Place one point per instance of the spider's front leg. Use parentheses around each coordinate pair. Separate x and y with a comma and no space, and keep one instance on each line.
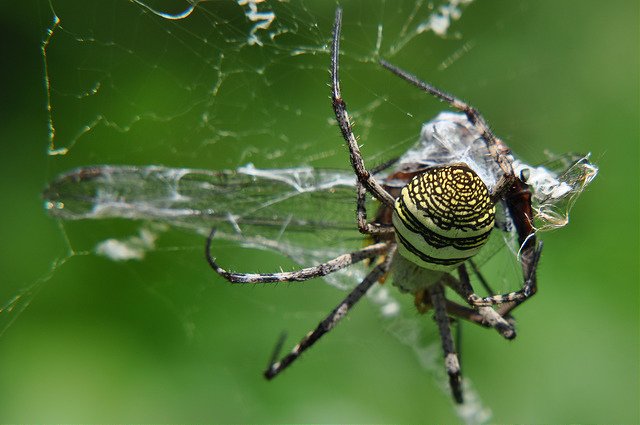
(361,210)
(497,149)
(361,214)
(340,110)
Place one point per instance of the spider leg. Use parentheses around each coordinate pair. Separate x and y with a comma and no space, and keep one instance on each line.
(323,269)
(519,206)
(457,328)
(361,210)
(529,257)
(454,309)
(451,362)
(528,289)
(361,215)
(507,316)
(467,313)
(489,316)
(340,109)
(332,319)
(497,148)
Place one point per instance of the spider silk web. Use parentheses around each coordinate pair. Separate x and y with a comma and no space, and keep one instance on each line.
(194,87)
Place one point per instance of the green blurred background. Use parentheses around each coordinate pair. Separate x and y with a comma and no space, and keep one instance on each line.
(164,340)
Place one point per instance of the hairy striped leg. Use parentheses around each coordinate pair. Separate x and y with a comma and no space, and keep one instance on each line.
(361,209)
(340,109)
(332,319)
(517,297)
(451,361)
(476,271)
(489,316)
(529,258)
(361,215)
(467,313)
(323,269)
(497,148)
(482,318)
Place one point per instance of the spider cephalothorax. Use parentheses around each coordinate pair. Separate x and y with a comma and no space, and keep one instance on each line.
(437,219)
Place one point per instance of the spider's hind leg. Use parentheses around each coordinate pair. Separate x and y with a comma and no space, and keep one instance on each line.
(485,285)
(529,288)
(451,361)
(489,316)
(329,322)
(331,266)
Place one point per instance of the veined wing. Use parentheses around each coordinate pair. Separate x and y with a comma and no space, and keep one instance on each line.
(268,202)
(304,213)
(555,185)
(272,208)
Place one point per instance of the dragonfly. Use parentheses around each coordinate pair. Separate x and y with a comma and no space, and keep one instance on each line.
(305,213)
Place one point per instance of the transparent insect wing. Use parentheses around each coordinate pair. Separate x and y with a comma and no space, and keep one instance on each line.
(450,139)
(283,209)
(556,185)
(191,196)
(279,209)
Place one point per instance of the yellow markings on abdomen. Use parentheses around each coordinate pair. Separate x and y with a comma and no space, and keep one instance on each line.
(443,217)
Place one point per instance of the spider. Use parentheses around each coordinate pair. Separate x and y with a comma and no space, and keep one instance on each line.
(424,234)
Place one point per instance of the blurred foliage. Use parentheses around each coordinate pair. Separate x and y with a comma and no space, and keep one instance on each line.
(164,340)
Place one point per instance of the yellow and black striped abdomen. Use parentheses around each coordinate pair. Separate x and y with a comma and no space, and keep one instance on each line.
(443,217)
